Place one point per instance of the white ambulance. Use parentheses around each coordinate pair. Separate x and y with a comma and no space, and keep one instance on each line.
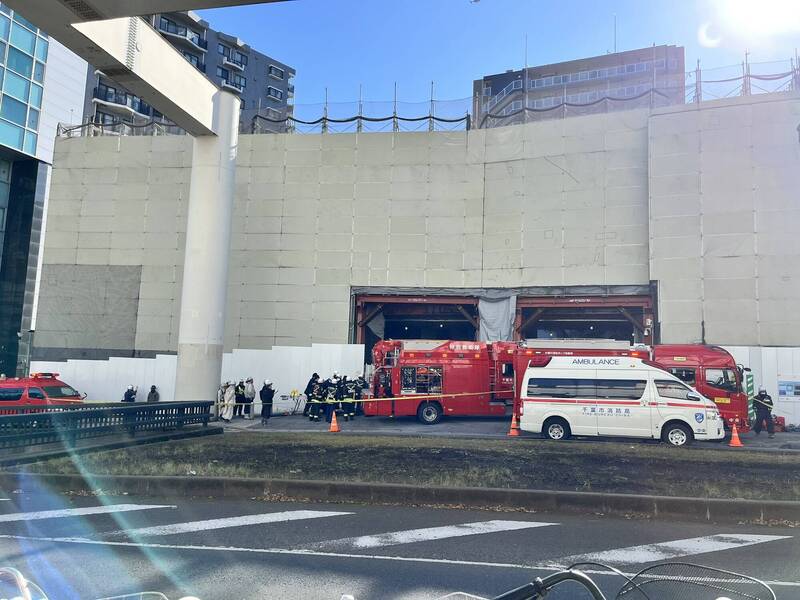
(618,396)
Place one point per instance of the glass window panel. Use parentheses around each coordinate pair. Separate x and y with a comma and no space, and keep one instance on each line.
(620,389)
(14,110)
(553,388)
(17,86)
(11,135)
(20,19)
(36,95)
(11,394)
(23,39)
(38,72)
(19,62)
(724,379)
(4,9)
(33,119)
(2,53)
(42,46)
(685,375)
(2,74)
(30,142)
(5,26)
(672,389)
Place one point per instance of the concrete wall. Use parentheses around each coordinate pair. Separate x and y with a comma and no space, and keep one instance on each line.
(724,220)
(553,203)
(702,200)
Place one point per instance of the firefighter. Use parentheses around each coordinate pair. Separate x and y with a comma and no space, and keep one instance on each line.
(361,385)
(316,399)
(331,396)
(349,396)
(266,394)
(249,397)
(238,392)
(130,394)
(763,406)
(309,392)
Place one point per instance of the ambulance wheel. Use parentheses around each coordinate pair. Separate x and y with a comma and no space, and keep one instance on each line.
(429,413)
(677,434)
(556,429)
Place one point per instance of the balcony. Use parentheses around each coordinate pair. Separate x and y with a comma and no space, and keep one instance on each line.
(124,103)
(183,34)
(229,61)
(231,85)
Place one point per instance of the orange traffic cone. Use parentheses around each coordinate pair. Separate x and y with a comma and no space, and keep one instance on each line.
(334,424)
(514,431)
(735,441)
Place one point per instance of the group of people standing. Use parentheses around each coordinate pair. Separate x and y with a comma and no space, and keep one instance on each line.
(335,394)
(236,400)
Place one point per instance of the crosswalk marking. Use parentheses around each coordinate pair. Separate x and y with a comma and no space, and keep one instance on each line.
(223,523)
(634,555)
(79,512)
(429,533)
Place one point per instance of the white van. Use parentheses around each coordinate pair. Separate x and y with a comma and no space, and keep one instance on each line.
(615,396)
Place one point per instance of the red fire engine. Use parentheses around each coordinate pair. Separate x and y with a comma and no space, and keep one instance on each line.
(435,378)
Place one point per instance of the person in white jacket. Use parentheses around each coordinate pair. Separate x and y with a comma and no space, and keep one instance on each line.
(249,397)
(228,403)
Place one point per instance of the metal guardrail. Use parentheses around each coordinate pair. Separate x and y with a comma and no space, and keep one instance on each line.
(60,423)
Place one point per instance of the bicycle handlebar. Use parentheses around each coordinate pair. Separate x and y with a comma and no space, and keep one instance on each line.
(539,587)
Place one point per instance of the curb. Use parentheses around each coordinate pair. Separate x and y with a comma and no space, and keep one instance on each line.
(692,509)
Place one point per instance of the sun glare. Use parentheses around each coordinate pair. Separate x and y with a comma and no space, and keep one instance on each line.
(750,18)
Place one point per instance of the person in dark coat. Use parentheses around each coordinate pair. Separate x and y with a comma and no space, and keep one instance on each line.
(153,395)
(266,394)
(309,392)
(129,395)
(763,405)
(238,410)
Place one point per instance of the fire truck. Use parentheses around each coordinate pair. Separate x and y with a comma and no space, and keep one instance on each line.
(431,379)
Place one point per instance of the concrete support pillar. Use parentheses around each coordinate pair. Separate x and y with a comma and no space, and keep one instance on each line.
(205,266)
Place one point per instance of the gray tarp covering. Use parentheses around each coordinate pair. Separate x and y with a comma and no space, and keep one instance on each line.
(377,325)
(497,318)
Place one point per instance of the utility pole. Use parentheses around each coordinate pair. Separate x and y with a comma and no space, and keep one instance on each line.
(432,111)
(698,84)
(325,114)
(360,123)
(395,123)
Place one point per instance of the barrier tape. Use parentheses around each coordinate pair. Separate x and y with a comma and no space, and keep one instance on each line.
(413,397)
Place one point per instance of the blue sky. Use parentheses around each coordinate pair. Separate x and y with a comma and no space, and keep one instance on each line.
(340,44)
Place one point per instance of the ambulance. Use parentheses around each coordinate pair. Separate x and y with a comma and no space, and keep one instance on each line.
(618,396)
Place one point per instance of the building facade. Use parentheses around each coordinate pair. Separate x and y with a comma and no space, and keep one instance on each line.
(621,78)
(265,85)
(41,82)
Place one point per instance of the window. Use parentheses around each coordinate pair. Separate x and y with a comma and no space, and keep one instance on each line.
(10,394)
(33,119)
(640,67)
(223,50)
(60,391)
(672,389)
(724,379)
(23,39)
(274,93)
(687,376)
(621,389)
(487,91)
(17,86)
(5,26)
(223,73)
(194,60)
(508,370)
(14,110)
(560,388)
(241,58)
(38,72)
(421,380)
(35,393)
(276,72)
(19,62)
(41,49)
(239,80)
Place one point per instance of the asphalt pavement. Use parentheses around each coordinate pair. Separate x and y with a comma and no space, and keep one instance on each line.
(93,547)
(467,427)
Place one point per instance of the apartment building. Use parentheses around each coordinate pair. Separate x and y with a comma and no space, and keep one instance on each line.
(265,85)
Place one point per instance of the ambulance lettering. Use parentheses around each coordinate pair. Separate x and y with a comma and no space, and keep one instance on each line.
(613,362)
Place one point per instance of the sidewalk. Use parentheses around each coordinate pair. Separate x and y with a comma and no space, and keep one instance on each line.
(467,427)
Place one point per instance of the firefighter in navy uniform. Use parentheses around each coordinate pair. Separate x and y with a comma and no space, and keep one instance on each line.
(349,394)
(361,385)
(331,396)
(315,400)
(763,406)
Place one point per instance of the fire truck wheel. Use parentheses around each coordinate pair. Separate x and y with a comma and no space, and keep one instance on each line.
(556,428)
(429,413)
(676,434)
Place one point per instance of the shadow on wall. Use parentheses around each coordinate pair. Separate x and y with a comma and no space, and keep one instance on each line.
(288,367)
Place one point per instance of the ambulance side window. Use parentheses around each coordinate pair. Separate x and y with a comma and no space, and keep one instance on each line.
(672,389)
(621,389)
(687,376)
(552,388)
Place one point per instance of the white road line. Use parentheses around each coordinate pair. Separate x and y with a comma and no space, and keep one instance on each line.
(79,512)
(281,551)
(226,522)
(635,555)
(429,533)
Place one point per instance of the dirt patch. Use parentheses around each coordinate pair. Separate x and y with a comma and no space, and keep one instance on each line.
(630,468)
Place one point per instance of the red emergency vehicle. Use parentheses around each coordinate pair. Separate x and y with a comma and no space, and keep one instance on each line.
(713,372)
(435,378)
(38,389)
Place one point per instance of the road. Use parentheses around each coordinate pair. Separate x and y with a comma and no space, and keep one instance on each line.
(469,427)
(91,547)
